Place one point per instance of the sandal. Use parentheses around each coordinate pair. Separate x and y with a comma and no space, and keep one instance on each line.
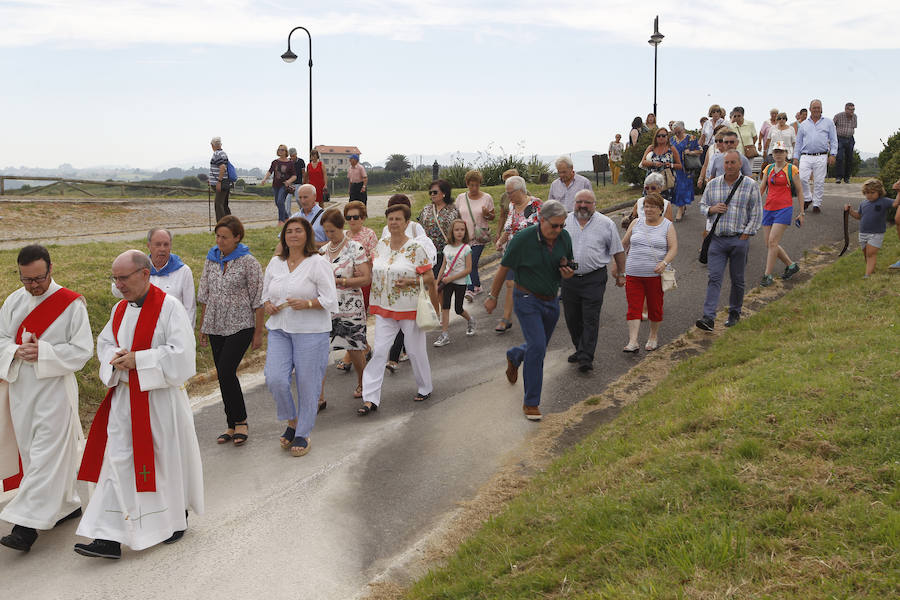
(225,437)
(358,393)
(366,408)
(422,397)
(322,406)
(342,366)
(630,348)
(299,446)
(503,326)
(287,438)
(651,345)
(391,366)
(239,438)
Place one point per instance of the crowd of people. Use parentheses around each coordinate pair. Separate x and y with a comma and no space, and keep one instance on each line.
(329,273)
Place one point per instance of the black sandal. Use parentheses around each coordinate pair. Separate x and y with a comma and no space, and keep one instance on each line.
(365,409)
(287,438)
(239,438)
(299,446)
(224,438)
(422,398)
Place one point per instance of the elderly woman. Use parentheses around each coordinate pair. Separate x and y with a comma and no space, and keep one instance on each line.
(717,148)
(660,155)
(299,296)
(781,132)
(615,151)
(281,170)
(651,245)
(685,145)
(231,317)
(653,184)
(352,270)
(355,214)
(315,176)
(524,211)
(716,118)
(437,216)
(398,265)
(476,209)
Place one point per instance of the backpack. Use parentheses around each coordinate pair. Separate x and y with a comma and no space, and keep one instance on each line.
(790,169)
(231,172)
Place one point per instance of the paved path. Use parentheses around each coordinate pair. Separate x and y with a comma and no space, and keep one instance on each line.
(371,489)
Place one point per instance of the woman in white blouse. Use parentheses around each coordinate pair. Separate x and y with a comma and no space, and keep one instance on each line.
(299,296)
(398,263)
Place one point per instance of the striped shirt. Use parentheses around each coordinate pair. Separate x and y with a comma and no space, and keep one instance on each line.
(845,124)
(218,158)
(744,214)
(648,246)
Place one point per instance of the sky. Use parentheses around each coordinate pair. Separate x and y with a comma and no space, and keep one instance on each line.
(146,84)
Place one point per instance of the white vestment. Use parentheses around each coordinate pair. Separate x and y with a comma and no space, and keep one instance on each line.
(117,511)
(179,284)
(43,410)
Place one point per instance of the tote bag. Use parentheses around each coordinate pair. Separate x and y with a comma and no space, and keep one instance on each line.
(426,318)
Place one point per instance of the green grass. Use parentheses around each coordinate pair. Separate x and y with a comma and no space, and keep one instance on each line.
(765,468)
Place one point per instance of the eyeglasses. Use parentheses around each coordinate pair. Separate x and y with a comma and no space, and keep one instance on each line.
(554,226)
(32,280)
(730,141)
(122,278)
(433,192)
(719,140)
(662,135)
(354,217)
(781,119)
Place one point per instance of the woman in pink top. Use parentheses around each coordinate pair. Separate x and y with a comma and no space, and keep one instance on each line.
(476,209)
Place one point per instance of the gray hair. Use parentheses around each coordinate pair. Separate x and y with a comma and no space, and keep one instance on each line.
(564,160)
(292,151)
(727,152)
(551,209)
(158,229)
(586,192)
(216,142)
(306,186)
(814,100)
(140,260)
(656,179)
(678,124)
(516,182)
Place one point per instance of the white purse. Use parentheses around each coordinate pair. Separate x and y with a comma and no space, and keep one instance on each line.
(426,317)
(668,279)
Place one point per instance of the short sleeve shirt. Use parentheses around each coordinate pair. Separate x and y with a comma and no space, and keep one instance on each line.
(385,298)
(536,265)
(873,215)
(356,173)
(453,253)
(218,158)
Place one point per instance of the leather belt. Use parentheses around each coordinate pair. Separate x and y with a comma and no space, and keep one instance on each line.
(813,153)
(525,290)
(591,273)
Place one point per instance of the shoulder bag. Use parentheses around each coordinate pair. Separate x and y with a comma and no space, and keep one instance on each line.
(750,150)
(691,162)
(426,317)
(482,234)
(704,250)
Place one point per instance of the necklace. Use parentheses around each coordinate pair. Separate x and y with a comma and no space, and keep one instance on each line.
(332,249)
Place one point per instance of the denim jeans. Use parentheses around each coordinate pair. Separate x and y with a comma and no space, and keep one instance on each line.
(476,256)
(281,202)
(733,251)
(844,158)
(537,318)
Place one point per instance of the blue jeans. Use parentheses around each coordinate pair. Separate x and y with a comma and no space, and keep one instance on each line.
(733,251)
(281,202)
(306,354)
(537,318)
(476,256)
(844,158)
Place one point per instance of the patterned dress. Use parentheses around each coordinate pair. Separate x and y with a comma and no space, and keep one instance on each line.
(684,181)
(348,324)
(668,161)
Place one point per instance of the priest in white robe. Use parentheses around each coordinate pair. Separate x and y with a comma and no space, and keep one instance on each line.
(142,449)
(45,337)
(169,273)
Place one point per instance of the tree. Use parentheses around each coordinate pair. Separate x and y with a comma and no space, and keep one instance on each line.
(398,163)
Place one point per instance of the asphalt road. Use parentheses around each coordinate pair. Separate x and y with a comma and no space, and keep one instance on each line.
(372,488)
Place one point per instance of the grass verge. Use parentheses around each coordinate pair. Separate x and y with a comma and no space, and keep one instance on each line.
(766,467)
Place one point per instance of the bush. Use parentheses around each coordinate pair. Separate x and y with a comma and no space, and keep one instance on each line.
(415,181)
(890,149)
(492,170)
(536,168)
(632,172)
(855,164)
(455,174)
(890,173)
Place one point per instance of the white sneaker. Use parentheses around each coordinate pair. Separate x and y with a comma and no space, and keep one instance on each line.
(442,340)
(470,296)
(896,265)
(470,327)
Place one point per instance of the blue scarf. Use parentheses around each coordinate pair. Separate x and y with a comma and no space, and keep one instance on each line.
(215,254)
(170,267)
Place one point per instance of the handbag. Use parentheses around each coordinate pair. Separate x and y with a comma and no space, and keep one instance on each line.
(668,279)
(704,249)
(669,175)
(750,150)
(426,317)
(482,234)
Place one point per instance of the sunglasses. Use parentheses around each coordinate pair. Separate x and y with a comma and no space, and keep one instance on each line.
(433,192)
(354,217)
(663,135)
(781,119)
(719,140)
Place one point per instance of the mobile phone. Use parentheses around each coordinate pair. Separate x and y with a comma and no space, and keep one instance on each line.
(797,222)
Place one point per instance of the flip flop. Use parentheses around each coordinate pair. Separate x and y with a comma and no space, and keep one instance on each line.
(503,326)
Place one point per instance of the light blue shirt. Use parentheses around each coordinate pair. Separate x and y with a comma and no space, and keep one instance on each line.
(560,192)
(718,166)
(816,137)
(593,245)
(318,231)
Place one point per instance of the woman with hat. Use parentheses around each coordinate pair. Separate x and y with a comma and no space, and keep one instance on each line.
(782,180)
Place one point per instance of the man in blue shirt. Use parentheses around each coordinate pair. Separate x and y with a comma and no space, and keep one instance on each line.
(311,211)
(729,142)
(816,148)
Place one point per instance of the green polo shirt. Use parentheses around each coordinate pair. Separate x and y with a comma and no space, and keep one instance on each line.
(536,265)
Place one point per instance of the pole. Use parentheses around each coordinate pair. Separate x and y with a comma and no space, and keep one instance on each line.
(655,47)
(310,92)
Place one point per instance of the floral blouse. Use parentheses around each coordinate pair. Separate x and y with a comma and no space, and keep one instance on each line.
(367,239)
(516,221)
(231,296)
(386,299)
(344,265)
(437,225)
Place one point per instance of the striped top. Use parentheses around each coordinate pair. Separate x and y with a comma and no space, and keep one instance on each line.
(218,158)
(648,246)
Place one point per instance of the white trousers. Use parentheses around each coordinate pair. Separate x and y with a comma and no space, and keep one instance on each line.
(414,338)
(815,166)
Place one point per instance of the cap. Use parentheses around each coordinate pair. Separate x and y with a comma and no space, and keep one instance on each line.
(356,156)
(779,145)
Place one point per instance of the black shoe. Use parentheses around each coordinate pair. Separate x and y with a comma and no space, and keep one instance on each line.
(72,515)
(816,210)
(573,358)
(100,549)
(178,534)
(585,367)
(706,324)
(732,320)
(837,180)
(21,538)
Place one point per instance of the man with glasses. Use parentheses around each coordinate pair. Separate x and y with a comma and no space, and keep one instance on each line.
(540,256)
(729,142)
(45,337)
(816,149)
(142,450)
(845,126)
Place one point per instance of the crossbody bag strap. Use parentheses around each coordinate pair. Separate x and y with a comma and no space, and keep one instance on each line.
(727,200)
(450,268)
(471,214)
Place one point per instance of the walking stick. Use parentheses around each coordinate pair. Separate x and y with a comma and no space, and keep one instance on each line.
(209,205)
(846,231)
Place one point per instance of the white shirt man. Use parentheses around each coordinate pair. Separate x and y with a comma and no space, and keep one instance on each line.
(142,450)
(169,273)
(816,148)
(569,183)
(45,337)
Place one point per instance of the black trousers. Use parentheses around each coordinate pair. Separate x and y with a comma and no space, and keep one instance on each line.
(222,200)
(582,299)
(357,193)
(227,351)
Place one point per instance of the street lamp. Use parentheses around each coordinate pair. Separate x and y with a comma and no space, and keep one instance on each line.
(290,57)
(655,40)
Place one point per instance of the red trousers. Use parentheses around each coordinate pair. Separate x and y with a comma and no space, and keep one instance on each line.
(638,288)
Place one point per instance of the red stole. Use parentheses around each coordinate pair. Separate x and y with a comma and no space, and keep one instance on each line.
(37,322)
(141,435)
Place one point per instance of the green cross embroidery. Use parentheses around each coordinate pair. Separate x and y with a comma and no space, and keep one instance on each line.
(145,472)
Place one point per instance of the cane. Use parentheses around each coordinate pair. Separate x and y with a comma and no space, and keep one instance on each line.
(846,232)
(209,205)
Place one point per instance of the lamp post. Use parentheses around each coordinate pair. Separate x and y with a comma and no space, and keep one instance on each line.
(655,40)
(290,57)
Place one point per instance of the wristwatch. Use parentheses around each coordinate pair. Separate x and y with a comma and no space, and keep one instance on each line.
(491,297)
(309,304)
